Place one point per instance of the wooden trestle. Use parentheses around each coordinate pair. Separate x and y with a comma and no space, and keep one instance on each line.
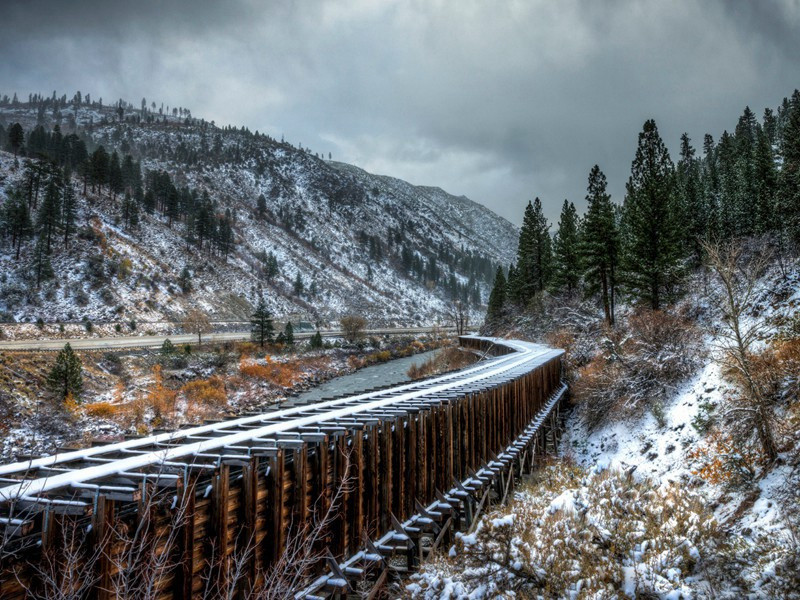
(382,476)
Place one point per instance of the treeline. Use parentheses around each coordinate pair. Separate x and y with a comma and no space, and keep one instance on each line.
(746,184)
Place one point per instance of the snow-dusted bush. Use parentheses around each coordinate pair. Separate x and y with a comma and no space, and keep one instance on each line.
(580,534)
(641,362)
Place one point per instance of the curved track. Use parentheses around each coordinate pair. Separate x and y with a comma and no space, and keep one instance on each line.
(228,436)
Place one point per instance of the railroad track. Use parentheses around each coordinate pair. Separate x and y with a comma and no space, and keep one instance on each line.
(465,432)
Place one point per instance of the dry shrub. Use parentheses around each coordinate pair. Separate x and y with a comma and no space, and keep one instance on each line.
(206,393)
(284,375)
(721,461)
(640,365)
(356,362)
(101,410)
(247,349)
(587,535)
(156,406)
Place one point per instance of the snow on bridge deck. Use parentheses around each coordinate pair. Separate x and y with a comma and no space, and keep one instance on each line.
(231,433)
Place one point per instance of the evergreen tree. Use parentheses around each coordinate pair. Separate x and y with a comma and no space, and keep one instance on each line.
(261,327)
(288,333)
(115,177)
(566,257)
(16,138)
(316,341)
(185,280)
(167,348)
(17,220)
(533,254)
(130,212)
(693,213)
(651,235)
(710,185)
(69,207)
(789,208)
(65,378)
(271,270)
(40,266)
(98,170)
(765,212)
(298,285)
(512,284)
(49,212)
(261,206)
(599,244)
(497,298)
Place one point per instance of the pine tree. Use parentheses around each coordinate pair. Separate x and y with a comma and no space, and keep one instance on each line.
(167,348)
(765,211)
(298,285)
(534,254)
(49,212)
(497,298)
(288,333)
(566,257)
(65,378)
(185,280)
(261,206)
(98,170)
(40,266)
(651,235)
(69,207)
(789,208)
(115,177)
(16,138)
(316,341)
(261,327)
(17,220)
(693,212)
(599,244)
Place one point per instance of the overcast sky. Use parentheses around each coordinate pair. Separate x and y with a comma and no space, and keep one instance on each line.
(498,100)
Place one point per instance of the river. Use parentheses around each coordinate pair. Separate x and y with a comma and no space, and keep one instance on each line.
(392,372)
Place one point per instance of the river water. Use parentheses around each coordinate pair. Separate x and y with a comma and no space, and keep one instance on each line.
(392,372)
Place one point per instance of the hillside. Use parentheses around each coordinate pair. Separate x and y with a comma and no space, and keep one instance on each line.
(329,238)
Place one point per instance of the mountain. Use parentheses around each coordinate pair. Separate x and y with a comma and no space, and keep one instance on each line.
(328,239)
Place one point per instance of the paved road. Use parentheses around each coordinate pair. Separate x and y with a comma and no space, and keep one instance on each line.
(151,341)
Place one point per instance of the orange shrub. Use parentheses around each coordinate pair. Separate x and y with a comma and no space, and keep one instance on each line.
(160,399)
(101,410)
(282,374)
(722,461)
(253,369)
(206,392)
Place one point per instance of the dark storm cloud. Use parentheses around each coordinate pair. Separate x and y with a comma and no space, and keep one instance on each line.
(500,101)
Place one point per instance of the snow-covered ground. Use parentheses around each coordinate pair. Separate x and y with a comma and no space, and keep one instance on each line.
(628,511)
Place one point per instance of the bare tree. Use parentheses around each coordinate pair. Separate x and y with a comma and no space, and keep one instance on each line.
(65,571)
(353,327)
(196,321)
(294,568)
(460,316)
(752,410)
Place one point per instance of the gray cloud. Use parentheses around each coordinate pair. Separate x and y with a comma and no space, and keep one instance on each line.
(500,101)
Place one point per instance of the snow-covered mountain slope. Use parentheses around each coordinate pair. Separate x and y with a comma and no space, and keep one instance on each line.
(343,231)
